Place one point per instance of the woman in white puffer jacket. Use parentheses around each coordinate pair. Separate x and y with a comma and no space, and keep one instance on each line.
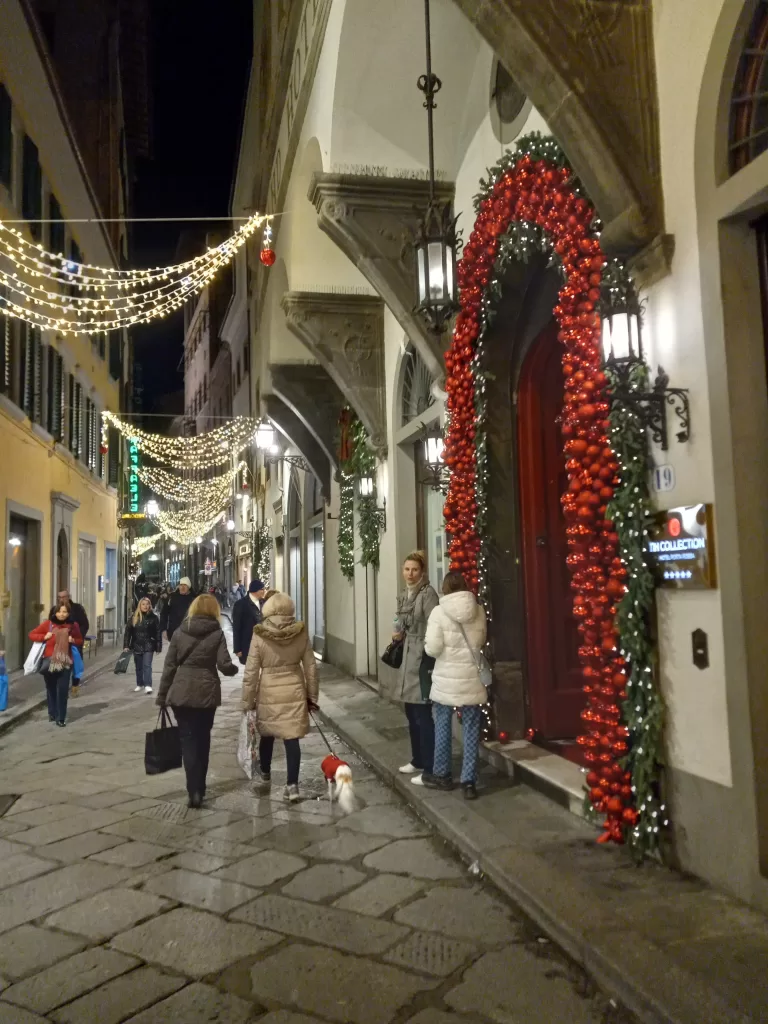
(456,633)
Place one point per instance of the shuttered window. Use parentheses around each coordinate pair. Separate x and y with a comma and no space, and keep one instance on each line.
(116,355)
(31,187)
(58,239)
(55,395)
(38,357)
(6,351)
(26,391)
(71,415)
(6,138)
(113,458)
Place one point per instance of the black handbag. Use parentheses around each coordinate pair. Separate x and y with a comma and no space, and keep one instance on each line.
(162,746)
(393,656)
(123,662)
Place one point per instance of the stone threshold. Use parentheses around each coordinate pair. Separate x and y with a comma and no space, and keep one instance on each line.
(644,934)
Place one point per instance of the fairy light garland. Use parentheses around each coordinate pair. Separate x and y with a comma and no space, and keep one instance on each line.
(141,545)
(201,451)
(185,527)
(50,291)
(189,492)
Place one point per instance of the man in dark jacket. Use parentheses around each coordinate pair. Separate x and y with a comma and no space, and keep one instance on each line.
(77,614)
(176,607)
(245,615)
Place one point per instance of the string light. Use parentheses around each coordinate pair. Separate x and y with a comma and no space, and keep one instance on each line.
(50,291)
(185,527)
(184,491)
(202,451)
(141,545)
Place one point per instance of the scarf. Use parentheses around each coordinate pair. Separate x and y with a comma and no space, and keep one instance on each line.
(61,658)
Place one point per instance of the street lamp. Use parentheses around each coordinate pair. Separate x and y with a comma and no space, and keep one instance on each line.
(230,525)
(173,547)
(198,539)
(152,508)
(366,486)
(436,241)
(433,447)
(265,436)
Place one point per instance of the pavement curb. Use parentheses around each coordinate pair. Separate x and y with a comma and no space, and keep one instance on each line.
(625,965)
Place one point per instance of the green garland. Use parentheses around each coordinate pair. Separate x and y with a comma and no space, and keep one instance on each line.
(360,463)
(346,538)
(263,554)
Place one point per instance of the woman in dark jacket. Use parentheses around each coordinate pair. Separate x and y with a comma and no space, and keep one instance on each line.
(190,684)
(59,632)
(142,637)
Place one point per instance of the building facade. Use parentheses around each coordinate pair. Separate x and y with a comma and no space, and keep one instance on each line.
(60,478)
(672,154)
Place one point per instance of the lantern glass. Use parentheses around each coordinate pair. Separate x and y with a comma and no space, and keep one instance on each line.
(366,486)
(421,274)
(265,436)
(230,524)
(436,265)
(152,508)
(433,451)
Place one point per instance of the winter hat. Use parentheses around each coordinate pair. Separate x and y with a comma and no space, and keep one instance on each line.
(255,586)
(279,604)
(186,581)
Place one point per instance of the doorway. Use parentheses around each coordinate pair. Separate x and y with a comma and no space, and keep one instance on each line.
(554,679)
(23,584)
(62,561)
(110,588)
(86,576)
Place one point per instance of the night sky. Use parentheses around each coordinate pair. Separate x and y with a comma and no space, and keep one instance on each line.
(199,64)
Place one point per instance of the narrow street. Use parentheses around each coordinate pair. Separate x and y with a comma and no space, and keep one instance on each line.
(118,903)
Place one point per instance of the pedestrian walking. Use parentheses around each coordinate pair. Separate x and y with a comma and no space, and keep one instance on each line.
(190,684)
(280,684)
(142,638)
(176,607)
(245,616)
(59,633)
(78,614)
(414,606)
(140,588)
(456,634)
(162,601)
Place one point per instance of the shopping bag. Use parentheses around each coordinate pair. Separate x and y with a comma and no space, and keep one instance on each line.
(247,753)
(123,662)
(77,662)
(34,658)
(3,686)
(162,746)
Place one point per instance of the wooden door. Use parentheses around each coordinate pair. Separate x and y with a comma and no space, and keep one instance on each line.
(553,671)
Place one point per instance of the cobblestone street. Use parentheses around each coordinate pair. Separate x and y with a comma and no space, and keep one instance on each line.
(118,903)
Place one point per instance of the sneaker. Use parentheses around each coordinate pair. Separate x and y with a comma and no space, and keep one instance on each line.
(138,689)
(417,780)
(61,724)
(147,689)
(470,792)
(265,778)
(437,781)
(291,794)
(409,769)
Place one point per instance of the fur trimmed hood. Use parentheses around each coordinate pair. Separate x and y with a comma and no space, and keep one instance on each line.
(279,620)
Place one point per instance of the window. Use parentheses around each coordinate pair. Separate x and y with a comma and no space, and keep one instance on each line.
(748,134)
(55,395)
(417,386)
(75,394)
(116,355)
(57,235)
(31,373)
(205,388)
(76,257)
(113,457)
(32,187)
(6,137)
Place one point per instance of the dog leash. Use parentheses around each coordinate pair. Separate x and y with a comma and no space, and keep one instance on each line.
(325,739)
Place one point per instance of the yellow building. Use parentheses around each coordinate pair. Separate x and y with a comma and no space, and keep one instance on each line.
(58,482)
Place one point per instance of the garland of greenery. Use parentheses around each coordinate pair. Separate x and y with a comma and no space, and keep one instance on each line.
(532,202)
(346,537)
(263,554)
(360,462)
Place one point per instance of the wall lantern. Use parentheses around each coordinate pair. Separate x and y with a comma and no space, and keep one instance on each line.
(198,539)
(436,240)
(173,547)
(154,558)
(433,447)
(265,437)
(623,358)
(230,524)
(366,486)
(152,508)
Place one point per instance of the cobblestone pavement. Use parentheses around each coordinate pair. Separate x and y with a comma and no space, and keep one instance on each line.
(118,903)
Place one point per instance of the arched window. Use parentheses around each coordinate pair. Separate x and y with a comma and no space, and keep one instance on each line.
(748,135)
(417,385)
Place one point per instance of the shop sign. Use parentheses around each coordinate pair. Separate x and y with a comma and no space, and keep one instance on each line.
(664,478)
(682,548)
(133,478)
(244,549)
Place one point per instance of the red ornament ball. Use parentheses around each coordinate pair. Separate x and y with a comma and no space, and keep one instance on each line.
(267,257)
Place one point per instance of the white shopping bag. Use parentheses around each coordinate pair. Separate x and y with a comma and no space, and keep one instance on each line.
(35,656)
(247,753)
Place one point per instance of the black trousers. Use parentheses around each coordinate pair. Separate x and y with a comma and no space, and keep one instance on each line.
(292,757)
(195,726)
(422,729)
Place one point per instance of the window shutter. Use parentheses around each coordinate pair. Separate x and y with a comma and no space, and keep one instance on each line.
(6,137)
(71,432)
(57,235)
(113,457)
(79,420)
(26,370)
(37,376)
(6,342)
(32,187)
(53,394)
(115,363)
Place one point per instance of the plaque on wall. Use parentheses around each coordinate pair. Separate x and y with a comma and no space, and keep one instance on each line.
(681,546)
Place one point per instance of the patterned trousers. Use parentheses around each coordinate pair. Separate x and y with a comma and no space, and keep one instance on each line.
(471,719)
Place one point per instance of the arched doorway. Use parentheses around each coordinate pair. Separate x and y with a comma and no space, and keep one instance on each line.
(553,674)
(62,561)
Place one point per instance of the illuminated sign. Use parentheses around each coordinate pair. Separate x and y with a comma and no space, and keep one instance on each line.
(133,477)
(682,549)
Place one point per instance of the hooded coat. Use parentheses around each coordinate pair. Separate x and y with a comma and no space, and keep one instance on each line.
(245,615)
(455,678)
(190,678)
(280,673)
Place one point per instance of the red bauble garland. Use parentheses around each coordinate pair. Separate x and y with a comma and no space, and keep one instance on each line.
(541,193)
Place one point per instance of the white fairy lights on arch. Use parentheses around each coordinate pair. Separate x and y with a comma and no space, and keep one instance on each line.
(189,492)
(201,451)
(141,545)
(50,291)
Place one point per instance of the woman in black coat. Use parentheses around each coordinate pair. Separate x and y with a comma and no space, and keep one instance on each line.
(142,637)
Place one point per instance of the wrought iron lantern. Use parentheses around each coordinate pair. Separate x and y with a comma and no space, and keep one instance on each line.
(435,244)
(433,446)
(366,491)
(265,436)
(623,356)
(366,487)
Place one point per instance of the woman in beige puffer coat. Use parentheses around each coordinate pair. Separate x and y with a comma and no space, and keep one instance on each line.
(280,685)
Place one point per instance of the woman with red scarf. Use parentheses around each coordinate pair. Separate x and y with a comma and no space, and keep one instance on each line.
(58,633)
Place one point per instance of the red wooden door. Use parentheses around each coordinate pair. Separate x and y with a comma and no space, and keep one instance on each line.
(553,670)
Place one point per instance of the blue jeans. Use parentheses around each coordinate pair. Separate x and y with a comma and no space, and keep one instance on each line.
(471,720)
(143,664)
(57,691)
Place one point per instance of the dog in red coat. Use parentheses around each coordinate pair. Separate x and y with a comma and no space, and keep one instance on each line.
(338,774)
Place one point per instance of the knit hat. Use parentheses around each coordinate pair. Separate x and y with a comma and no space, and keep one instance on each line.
(185,581)
(255,586)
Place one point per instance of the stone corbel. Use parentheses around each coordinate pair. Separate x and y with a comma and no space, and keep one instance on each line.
(345,334)
(373,221)
(313,397)
(291,427)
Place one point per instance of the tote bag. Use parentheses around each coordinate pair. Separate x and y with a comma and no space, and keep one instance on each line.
(34,658)
(77,662)
(162,746)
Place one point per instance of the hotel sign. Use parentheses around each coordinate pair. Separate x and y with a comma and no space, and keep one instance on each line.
(682,548)
(133,477)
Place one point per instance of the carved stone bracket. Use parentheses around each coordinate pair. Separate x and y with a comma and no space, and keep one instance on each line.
(588,67)
(289,424)
(345,334)
(313,397)
(372,220)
